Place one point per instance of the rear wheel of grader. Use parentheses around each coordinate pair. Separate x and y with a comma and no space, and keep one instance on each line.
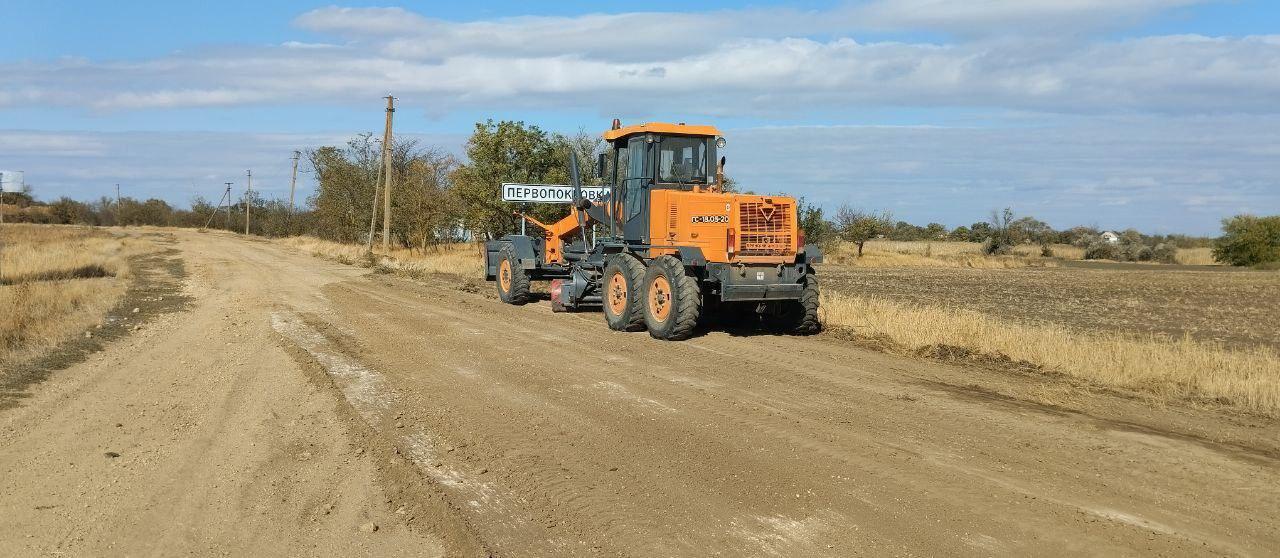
(800,317)
(513,281)
(673,300)
(624,293)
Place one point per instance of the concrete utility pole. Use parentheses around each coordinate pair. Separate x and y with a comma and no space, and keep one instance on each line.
(247,191)
(389,177)
(118,223)
(293,182)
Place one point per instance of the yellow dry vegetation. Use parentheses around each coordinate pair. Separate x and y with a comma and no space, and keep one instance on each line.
(56,282)
(1160,367)
(1196,256)
(892,253)
(458,259)
(1064,251)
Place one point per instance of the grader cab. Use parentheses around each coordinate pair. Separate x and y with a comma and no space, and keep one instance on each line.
(676,248)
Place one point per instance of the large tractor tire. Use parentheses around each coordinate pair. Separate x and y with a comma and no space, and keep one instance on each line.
(624,293)
(800,317)
(513,280)
(673,300)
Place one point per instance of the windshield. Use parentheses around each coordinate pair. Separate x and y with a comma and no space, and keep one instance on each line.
(682,159)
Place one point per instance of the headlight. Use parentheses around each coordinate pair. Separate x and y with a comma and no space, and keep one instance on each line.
(720,143)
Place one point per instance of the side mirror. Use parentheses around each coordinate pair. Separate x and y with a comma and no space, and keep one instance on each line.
(600,162)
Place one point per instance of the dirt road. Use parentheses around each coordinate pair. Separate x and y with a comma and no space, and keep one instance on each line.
(292,402)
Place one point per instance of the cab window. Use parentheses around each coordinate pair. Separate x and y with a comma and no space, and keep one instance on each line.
(682,160)
(637,173)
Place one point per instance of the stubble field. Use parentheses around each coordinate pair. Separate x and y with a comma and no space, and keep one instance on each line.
(1237,309)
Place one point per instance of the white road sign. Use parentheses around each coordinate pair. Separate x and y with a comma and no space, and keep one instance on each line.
(547,193)
(10,181)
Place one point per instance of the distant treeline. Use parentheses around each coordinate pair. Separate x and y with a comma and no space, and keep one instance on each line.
(438,199)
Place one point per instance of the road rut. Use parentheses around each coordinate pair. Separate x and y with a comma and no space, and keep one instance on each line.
(548,434)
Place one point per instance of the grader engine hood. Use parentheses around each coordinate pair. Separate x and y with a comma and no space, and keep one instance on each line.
(728,227)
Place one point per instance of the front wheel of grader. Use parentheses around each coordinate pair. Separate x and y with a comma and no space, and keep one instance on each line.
(673,300)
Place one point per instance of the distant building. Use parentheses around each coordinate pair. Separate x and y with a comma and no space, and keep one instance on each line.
(1110,237)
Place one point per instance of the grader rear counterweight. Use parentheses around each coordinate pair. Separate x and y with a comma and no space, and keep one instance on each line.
(678,248)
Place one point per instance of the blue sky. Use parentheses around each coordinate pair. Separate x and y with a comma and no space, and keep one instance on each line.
(1157,114)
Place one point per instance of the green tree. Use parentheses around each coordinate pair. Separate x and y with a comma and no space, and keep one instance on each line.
(509,151)
(859,226)
(817,229)
(1030,229)
(427,208)
(1248,240)
(980,231)
(345,177)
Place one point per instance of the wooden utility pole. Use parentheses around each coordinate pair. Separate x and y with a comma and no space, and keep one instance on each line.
(388,177)
(293,182)
(228,194)
(373,209)
(248,190)
(226,197)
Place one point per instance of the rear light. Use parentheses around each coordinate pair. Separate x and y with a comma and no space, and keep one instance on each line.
(799,239)
(731,241)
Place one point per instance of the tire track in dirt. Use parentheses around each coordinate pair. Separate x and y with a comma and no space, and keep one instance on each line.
(777,401)
(369,394)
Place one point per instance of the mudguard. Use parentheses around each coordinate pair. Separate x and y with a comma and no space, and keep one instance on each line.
(525,253)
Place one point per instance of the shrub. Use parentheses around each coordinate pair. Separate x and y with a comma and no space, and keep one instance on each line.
(1165,252)
(1131,248)
(1001,241)
(1046,251)
(1248,240)
(1102,250)
(994,247)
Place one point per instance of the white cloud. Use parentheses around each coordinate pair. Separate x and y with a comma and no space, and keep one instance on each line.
(763,77)
(1006,17)
(1156,173)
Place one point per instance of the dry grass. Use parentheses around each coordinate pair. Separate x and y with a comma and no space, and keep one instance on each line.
(1164,368)
(1196,256)
(890,253)
(455,259)
(56,282)
(1064,251)
(945,253)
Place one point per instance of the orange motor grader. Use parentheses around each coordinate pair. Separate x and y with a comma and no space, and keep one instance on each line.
(669,246)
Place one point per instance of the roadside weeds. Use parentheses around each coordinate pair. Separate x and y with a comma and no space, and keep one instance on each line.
(1161,368)
(56,283)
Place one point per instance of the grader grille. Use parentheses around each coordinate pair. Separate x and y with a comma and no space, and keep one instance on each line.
(765,229)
